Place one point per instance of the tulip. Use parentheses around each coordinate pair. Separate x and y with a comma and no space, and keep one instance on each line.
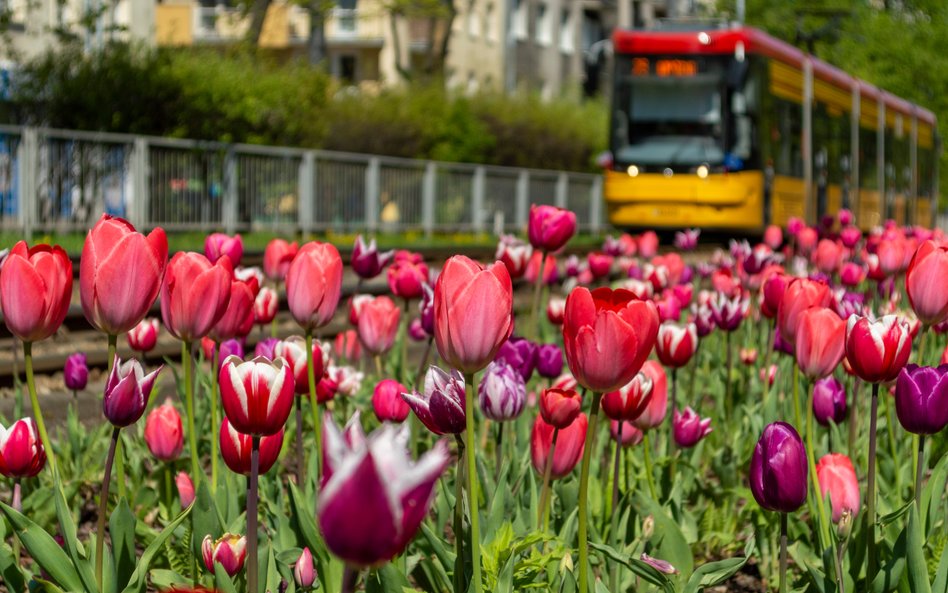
(607,321)
(473,312)
(257,395)
(806,240)
(613,246)
(748,356)
(555,310)
(218,245)
(550,227)
(549,361)
(194,295)
(313,285)
(416,332)
(689,428)
(572,267)
(800,295)
(127,391)
(560,407)
(374,497)
(406,278)
(502,392)
(837,477)
(550,271)
(366,260)
(778,470)
(164,433)
(144,336)
(768,375)
(569,447)
(728,312)
(304,573)
(441,406)
(877,350)
(852,274)
(676,343)
(277,258)
(599,264)
(356,302)
(238,317)
(849,236)
(820,342)
(654,413)
(35,289)
(387,401)
(703,319)
(265,306)
(827,256)
(426,309)
(662,566)
(891,254)
(120,274)
(347,345)
(772,291)
(76,372)
(926,283)
(236,449)
(185,489)
(520,354)
(829,401)
(648,244)
(921,399)
(687,240)
(348,380)
(628,402)
(378,325)
(22,454)
(515,254)
(773,236)
(229,551)
(631,435)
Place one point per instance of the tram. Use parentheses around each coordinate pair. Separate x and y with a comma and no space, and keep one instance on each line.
(732,129)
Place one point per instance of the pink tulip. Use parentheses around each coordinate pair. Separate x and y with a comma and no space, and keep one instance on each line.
(257,395)
(599,264)
(127,391)
(21,450)
(820,342)
(926,283)
(347,345)
(314,284)
(293,351)
(194,294)
(689,428)
(850,236)
(827,256)
(473,312)
(631,436)
(378,324)
(801,294)
(648,244)
(891,254)
(550,271)
(407,277)
(229,551)
(236,449)
(877,350)
(837,477)
(185,489)
(238,317)
(144,336)
(164,433)
(304,573)
(218,245)
(277,258)
(654,413)
(387,401)
(806,240)
(265,306)
(120,274)
(852,274)
(550,227)
(570,443)
(773,236)
(35,289)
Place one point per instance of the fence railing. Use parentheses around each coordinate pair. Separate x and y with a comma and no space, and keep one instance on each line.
(60,181)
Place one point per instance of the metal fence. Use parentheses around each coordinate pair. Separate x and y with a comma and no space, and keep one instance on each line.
(60,181)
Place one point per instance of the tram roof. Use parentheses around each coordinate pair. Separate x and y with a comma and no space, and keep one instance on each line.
(725,41)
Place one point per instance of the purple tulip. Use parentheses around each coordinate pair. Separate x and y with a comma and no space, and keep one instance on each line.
(127,391)
(502,392)
(847,303)
(921,398)
(366,261)
(612,246)
(266,348)
(521,354)
(829,401)
(660,565)
(374,497)
(76,372)
(687,240)
(781,345)
(778,469)
(728,312)
(704,319)
(441,407)
(573,266)
(426,307)
(416,331)
(689,428)
(549,361)
(230,348)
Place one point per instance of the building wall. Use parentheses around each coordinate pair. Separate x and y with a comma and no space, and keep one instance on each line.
(477,49)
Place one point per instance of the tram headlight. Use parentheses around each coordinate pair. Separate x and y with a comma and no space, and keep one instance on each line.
(633,171)
(702,171)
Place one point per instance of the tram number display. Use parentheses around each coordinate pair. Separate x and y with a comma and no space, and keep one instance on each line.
(667,68)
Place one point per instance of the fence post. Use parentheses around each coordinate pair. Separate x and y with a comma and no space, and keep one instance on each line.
(477,200)
(306,194)
(523,198)
(229,211)
(595,205)
(138,208)
(372,195)
(428,190)
(562,189)
(27,159)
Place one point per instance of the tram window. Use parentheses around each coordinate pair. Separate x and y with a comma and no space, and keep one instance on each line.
(789,138)
(867,159)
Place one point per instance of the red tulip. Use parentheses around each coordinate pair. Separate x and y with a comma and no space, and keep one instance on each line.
(378,324)
(277,258)
(120,274)
(570,443)
(926,283)
(194,294)
(293,351)
(801,294)
(820,342)
(612,321)
(473,312)
(144,336)
(356,303)
(218,245)
(236,449)
(407,277)
(314,284)
(877,350)
(676,343)
(772,291)
(560,407)
(837,477)
(229,551)
(347,345)
(550,271)
(550,227)
(164,434)
(655,411)
(35,289)
(387,401)
(852,274)
(555,309)
(21,450)
(257,395)
(515,254)
(630,401)
(265,306)
(238,317)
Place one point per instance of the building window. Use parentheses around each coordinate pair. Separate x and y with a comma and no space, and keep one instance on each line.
(520,19)
(473,24)
(543,25)
(566,31)
(345,68)
(490,31)
(345,15)
(592,30)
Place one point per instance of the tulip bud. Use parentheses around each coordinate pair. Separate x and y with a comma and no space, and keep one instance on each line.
(560,407)
(185,489)
(164,433)
(550,227)
(304,573)
(313,285)
(21,450)
(378,324)
(265,306)
(689,428)
(519,354)
(366,260)
(406,277)
(628,402)
(502,392)
(844,527)
(659,565)
(441,407)
(127,391)
(229,551)
(829,401)
(236,449)
(570,443)
(555,309)
(277,258)
(676,344)
(388,403)
(778,470)
(837,477)
(921,398)
(75,372)
(549,361)
(144,336)
(257,395)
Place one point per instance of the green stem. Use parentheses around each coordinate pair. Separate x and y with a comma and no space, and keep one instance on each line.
(797,414)
(314,404)
(893,446)
(459,572)
(103,509)
(252,563)
(646,451)
(783,552)
(472,484)
(871,480)
(854,416)
(546,491)
(119,454)
(919,472)
(727,375)
(769,347)
(215,424)
(499,450)
(37,412)
(614,531)
(189,408)
(811,459)
(535,323)
(672,446)
(584,495)
(300,462)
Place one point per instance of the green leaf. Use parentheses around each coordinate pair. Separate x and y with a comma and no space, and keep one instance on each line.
(646,571)
(917,569)
(941,574)
(715,573)
(890,575)
(205,520)
(329,569)
(222,580)
(387,579)
(68,529)
(44,550)
(931,494)
(896,514)
(137,581)
(122,531)
(10,572)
